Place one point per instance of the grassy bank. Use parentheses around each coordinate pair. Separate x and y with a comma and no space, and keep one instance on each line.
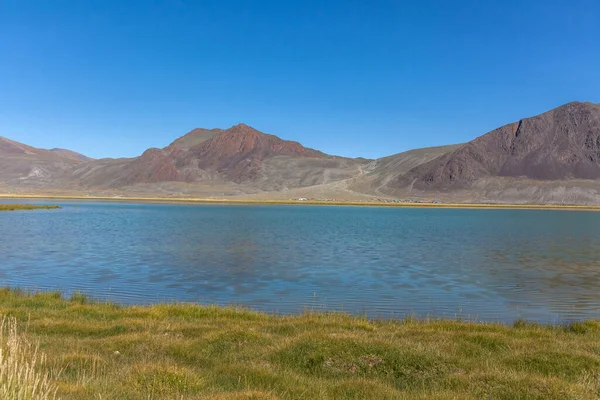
(105,351)
(14,207)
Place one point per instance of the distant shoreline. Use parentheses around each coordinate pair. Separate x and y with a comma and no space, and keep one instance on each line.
(194,200)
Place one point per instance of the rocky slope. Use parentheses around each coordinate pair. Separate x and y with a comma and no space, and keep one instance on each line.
(561,144)
(21,164)
(387,169)
(239,155)
(65,153)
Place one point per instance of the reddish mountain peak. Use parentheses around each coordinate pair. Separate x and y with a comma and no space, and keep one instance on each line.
(239,152)
(242,139)
(194,138)
(201,131)
(236,154)
(244,129)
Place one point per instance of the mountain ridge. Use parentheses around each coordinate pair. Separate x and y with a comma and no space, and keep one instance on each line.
(539,158)
(559,144)
(239,155)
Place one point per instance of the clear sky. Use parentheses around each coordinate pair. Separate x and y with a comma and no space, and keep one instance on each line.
(354,78)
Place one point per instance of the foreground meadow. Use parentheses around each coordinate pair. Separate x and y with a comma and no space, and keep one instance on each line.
(96,350)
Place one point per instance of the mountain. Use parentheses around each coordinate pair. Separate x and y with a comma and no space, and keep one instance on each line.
(561,144)
(550,158)
(195,137)
(10,147)
(387,169)
(21,164)
(70,154)
(239,155)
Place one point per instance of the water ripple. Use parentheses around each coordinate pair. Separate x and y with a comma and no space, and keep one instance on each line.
(495,265)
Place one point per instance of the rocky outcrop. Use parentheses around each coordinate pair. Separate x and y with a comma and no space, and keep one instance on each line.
(560,144)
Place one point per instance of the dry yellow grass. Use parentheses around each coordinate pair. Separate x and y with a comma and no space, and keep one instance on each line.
(24,373)
(182,351)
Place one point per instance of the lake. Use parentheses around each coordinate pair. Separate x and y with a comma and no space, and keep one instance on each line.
(491,265)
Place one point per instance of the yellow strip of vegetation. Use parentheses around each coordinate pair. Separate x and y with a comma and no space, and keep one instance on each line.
(310,202)
(15,207)
(183,351)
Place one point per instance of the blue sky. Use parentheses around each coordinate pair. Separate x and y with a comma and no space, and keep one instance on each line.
(110,78)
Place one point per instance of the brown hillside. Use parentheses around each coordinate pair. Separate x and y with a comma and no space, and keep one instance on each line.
(560,144)
(240,154)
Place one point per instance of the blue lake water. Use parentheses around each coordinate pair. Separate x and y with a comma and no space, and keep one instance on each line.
(493,265)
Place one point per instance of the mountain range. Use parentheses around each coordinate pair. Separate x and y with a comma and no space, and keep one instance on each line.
(550,158)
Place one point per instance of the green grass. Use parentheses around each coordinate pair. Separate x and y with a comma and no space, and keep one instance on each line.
(14,207)
(100,350)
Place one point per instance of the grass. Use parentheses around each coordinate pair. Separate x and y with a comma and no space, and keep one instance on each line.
(23,370)
(14,207)
(182,351)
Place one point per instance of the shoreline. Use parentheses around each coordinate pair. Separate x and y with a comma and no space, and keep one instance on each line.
(225,201)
